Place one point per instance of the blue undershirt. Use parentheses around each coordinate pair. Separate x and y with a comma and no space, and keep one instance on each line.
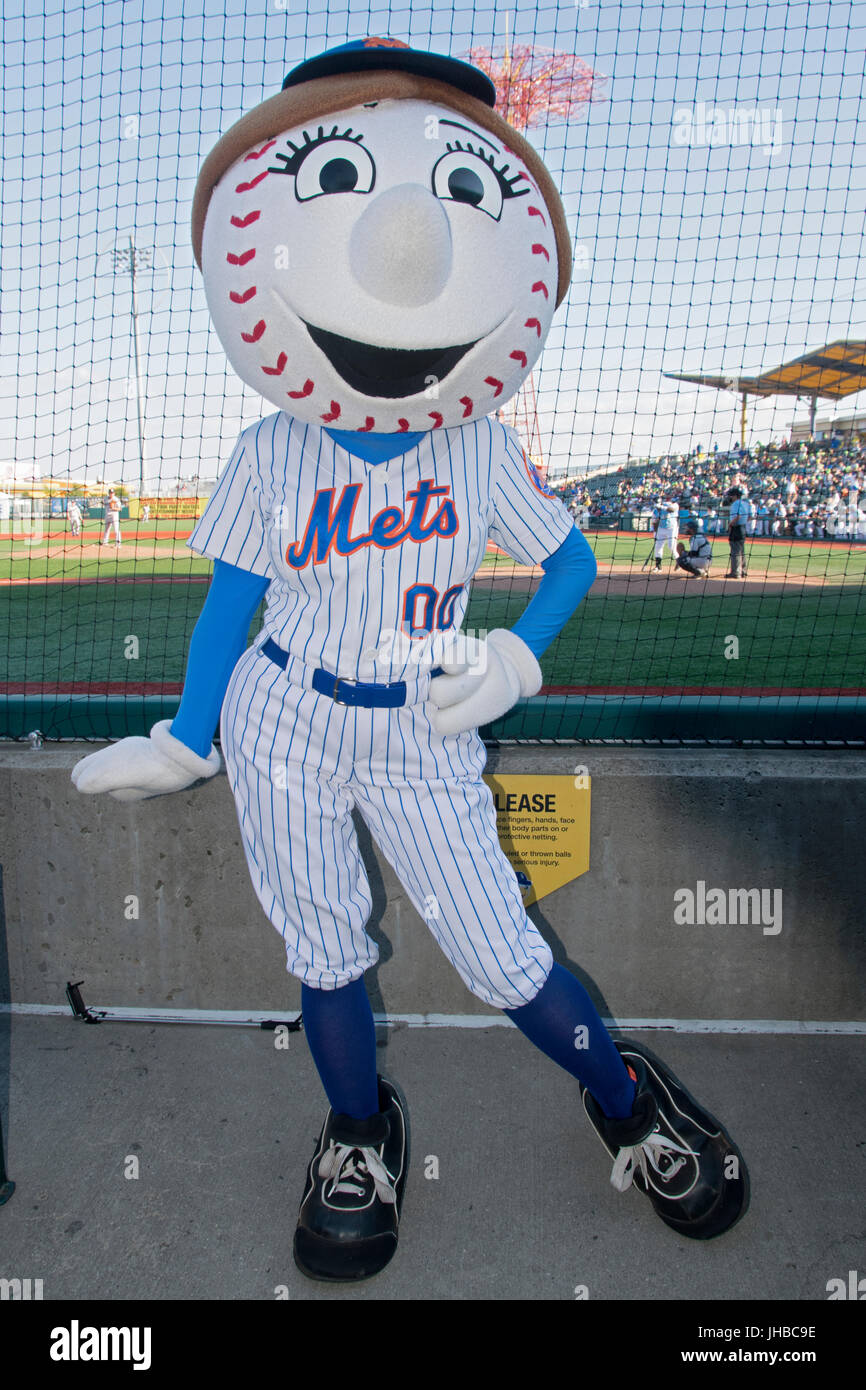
(376,448)
(220,634)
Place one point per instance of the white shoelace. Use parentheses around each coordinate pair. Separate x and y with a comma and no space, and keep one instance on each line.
(635,1157)
(349,1164)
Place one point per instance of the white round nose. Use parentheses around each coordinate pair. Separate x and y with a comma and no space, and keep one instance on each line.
(400,247)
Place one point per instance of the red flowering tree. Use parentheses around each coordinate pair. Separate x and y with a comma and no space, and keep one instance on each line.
(534,87)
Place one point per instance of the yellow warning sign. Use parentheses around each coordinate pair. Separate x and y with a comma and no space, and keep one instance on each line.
(543,826)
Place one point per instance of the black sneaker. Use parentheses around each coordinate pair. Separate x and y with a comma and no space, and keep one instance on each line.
(673,1150)
(350,1211)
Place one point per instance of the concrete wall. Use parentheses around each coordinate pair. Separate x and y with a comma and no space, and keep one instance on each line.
(661,821)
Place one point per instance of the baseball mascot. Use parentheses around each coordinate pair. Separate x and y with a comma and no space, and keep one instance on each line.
(382,256)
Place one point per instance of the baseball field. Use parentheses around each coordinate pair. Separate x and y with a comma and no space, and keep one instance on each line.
(83,618)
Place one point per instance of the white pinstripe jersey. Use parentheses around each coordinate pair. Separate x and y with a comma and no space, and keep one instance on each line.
(356,550)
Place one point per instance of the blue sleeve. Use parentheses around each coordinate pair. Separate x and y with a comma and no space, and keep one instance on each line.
(568,576)
(219,639)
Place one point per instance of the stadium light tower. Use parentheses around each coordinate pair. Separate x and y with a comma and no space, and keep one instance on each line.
(129,259)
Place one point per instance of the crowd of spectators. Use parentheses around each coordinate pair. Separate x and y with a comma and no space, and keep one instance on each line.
(812,490)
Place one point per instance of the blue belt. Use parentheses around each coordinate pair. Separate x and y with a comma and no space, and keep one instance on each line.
(343,691)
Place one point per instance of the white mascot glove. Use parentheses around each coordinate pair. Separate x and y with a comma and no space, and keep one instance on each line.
(136,768)
(485,684)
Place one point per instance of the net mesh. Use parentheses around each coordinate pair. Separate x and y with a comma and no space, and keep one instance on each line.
(711,174)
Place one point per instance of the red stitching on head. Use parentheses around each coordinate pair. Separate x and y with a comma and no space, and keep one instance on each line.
(519,357)
(493,381)
(332,414)
(278,369)
(539,250)
(368,424)
(245,187)
(242,298)
(540,288)
(245,221)
(257,154)
(402,425)
(242,258)
(256,333)
(536,212)
(533,323)
(436,418)
(305,390)
(467,401)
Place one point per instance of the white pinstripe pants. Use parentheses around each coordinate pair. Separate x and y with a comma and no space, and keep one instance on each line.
(665,538)
(297,764)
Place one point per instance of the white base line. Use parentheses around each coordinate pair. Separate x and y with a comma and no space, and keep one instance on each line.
(239,1018)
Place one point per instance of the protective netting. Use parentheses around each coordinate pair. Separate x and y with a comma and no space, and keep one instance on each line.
(708,162)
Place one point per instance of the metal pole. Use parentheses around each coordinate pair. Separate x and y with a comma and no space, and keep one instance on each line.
(813,409)
(743,399)
(137,371)
(7,1186)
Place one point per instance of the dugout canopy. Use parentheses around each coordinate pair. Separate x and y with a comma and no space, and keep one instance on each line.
(833,371)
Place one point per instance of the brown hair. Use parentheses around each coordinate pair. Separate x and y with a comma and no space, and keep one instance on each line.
(323,95)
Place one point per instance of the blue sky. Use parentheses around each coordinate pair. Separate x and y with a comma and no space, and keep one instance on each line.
(692,257)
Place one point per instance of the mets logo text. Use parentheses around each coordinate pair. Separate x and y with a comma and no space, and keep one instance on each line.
(330,525)
(538,482)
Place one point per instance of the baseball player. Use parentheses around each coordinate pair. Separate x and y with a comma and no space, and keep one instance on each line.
(73,517)
(427,245)
(112,518)
(696,561)
(665,524)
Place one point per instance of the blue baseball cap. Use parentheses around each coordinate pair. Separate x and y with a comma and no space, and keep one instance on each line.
(372,54)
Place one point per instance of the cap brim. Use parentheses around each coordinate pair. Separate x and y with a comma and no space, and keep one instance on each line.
(455,73)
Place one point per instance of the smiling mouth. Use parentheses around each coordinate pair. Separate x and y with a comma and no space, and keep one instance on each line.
(386,372)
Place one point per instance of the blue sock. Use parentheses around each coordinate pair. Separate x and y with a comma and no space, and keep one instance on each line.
(341,1034)
(563,1022)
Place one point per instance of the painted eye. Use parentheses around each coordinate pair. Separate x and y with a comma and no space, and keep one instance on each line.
(335,166)
(463,177)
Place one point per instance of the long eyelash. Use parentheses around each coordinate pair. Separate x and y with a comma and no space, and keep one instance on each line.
(292,162)
(506,184)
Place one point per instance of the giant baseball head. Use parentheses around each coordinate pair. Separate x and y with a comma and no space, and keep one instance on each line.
(380,250)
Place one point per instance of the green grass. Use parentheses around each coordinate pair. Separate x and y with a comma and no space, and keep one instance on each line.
(814,639)
(66,633)
(840,561)
(822,559)
(818,638)
(20,560)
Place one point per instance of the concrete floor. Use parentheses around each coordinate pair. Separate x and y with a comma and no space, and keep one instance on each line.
(222,1124)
